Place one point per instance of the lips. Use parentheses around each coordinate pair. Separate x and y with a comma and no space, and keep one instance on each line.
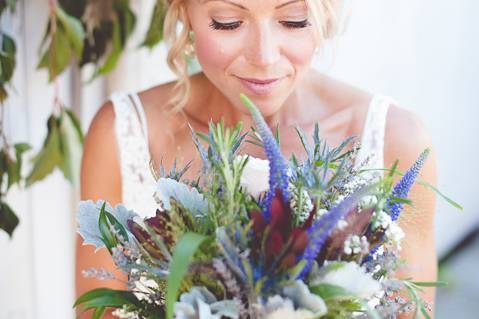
(260,86)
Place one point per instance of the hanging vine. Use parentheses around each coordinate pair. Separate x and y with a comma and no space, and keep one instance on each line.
(78,32)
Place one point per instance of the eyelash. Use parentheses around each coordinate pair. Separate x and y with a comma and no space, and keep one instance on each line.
(234,25)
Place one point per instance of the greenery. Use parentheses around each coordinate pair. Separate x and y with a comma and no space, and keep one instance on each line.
(78,33)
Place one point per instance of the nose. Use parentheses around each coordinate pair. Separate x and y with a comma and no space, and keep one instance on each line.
(263,47)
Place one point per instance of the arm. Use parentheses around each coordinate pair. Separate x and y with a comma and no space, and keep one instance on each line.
(100,179)
(405,139)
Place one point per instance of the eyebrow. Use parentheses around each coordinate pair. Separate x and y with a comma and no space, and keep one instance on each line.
(244,8)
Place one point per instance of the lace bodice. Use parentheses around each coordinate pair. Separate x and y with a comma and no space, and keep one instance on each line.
(372,140)
(137,179)
(131,131)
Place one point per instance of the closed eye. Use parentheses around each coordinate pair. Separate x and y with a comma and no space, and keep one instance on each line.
(225,26)
(296,24)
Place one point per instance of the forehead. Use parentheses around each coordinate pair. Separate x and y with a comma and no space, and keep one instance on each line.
(245,4)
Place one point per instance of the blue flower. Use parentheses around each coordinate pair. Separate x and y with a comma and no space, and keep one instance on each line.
(278,170)
(401,190)
(324,226)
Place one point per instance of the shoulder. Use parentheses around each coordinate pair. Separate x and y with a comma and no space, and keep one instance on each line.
(100,172)
(351,103)
(406,136)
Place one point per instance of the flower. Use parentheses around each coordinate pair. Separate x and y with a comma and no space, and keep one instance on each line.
(255,177)
(200,303)
(401,190)
(352,278)
(297,302)
(282,237)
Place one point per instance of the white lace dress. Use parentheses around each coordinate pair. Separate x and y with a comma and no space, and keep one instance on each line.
(138,183)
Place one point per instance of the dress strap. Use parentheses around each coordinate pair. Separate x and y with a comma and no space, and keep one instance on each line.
(372,141)
(132,137)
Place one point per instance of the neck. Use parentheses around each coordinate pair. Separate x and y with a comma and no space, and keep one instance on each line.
(215,106)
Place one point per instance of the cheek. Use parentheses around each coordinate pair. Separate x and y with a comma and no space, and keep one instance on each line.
(300,57)
(214,52)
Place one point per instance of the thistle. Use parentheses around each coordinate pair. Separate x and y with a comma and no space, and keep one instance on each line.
(401,190)
(278,171)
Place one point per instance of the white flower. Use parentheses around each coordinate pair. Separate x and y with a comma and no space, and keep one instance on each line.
(382,220)
(356,245)
(200,303)
(303,299)
(395,234)
(297,302)
(352,278)
(279,308)
(255,177)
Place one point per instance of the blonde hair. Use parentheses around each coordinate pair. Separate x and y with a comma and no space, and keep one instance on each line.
(324,15)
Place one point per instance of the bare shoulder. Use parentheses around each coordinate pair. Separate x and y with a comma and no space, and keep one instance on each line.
(347,101)
(100,173)
(406,136)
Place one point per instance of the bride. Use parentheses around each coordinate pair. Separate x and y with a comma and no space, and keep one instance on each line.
(263,49)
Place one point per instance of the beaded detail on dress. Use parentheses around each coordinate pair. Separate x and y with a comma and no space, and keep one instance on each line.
(131,132)
(372,140)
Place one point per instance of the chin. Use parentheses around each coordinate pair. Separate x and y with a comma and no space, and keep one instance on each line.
(267,105)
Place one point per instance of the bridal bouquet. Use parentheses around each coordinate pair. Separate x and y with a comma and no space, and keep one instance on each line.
(306,238)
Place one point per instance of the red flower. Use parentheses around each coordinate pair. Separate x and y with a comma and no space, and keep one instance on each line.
(283,243)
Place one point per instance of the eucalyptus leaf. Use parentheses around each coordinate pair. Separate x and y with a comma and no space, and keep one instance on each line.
(188,197)
(182,257)
(88,215)
(8,220)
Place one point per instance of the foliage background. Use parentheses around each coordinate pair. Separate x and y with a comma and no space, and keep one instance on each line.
(422,53)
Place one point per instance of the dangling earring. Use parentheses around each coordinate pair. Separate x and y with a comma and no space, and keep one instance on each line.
(190,47)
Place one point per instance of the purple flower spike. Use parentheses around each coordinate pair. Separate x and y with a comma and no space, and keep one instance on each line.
(401,190)
(324,226)
(278,171)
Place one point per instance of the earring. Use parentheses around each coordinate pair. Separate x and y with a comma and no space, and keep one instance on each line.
(190,47)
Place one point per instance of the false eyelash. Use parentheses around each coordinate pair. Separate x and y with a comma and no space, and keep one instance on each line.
(296,24)
(224,26)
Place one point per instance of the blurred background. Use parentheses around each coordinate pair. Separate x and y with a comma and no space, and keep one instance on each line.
(422,53)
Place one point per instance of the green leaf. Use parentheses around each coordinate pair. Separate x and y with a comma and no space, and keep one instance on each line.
(73,30)
(115,52)
(76,124)
(182,257)
(71,145)
(98,314)
(49,157)
(106,297)
(423,183)
(107,235)
(7,58)
(58,55)
(438,284)
(8,220)
(328,292)
(7,63)
(155,31)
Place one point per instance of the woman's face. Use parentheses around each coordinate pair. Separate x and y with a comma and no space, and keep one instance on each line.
(258,47)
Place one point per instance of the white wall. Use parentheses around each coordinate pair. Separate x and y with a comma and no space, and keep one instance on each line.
(36,265)
(423,53)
